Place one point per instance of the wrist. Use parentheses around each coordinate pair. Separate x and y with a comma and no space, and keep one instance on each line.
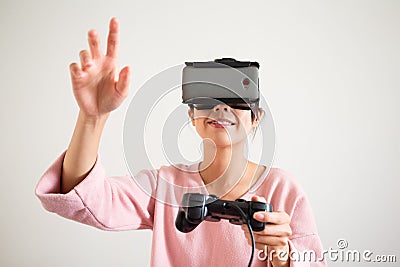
(93,120)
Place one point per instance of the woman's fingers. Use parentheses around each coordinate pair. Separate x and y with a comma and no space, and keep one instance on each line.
(272,230)
(275,217)
(273,241)
(122,85)
(94,44)
(267,240)
(112,43)
(277,228)
(75,70)
(86,60)
(113,38)
(258,198)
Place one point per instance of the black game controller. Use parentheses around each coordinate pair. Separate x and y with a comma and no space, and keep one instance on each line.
(196,208)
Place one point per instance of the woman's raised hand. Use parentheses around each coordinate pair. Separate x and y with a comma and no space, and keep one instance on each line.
(96,87)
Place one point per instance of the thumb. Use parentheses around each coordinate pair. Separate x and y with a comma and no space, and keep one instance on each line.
(259,216)
(258,198)
(122,85)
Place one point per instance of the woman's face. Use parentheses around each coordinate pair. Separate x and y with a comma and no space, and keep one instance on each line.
(223,124)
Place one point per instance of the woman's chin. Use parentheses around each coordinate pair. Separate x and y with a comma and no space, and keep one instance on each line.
(225,142)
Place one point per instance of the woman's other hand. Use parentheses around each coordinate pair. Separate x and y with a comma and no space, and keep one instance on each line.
(274,238)
(96,87)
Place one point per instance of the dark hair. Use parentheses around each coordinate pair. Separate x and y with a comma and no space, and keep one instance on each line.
(254,111)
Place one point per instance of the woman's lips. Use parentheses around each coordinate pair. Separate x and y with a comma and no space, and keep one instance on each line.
(220,123)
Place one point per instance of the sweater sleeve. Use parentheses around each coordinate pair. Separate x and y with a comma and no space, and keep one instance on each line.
(305,244)
(107,203)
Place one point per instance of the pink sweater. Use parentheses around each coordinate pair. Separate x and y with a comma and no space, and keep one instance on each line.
(118,203)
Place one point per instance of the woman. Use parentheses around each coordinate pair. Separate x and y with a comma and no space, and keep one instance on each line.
(76,187)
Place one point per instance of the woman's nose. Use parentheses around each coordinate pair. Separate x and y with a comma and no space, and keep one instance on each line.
(222,107)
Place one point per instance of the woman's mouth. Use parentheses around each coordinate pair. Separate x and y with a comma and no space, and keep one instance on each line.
(220,123)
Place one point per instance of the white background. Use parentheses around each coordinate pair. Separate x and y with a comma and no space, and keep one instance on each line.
(329,71)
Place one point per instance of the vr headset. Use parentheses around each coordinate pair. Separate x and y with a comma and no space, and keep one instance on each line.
(222,80)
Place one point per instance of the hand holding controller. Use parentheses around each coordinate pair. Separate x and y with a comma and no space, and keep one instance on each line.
(196,208)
